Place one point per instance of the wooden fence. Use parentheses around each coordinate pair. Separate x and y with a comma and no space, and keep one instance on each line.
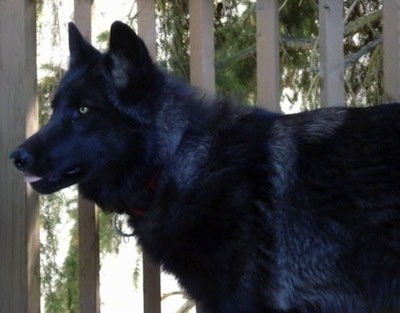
(19,216)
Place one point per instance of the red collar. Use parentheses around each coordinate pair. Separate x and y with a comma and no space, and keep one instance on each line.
(136,212)
(151,185)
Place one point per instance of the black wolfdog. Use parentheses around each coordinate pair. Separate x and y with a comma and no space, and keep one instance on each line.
(252,211)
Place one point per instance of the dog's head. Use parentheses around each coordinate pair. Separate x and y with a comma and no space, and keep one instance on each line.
(102,115)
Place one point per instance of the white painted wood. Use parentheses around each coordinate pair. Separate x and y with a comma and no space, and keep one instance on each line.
(331,50)
(202,53)
(19,208)
(89,263)
(146,20)
(391,50)
(268,70)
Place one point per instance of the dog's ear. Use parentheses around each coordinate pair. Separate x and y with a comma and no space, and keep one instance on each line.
(80,49)
(128,53)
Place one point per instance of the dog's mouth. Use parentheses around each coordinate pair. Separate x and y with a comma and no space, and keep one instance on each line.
(54,182)
(30,179)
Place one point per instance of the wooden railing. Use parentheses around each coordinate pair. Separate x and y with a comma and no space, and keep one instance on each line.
(19,216)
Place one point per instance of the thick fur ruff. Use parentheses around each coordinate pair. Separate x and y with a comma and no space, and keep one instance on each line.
(252,211)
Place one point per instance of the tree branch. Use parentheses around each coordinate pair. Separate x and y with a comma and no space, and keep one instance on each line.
(365,49)
(186,306)
(291,43)
(173,293)
(362,21)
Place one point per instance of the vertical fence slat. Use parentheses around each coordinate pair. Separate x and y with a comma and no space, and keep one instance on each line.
(89,297)
(146,18)
(89,264)
(202,54)
(331,50)
(268,72)
(202,51)
(151,286)
(151,272)
(19,211)
(391,50)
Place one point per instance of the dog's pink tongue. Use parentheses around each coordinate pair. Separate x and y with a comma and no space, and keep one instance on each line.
(31,179)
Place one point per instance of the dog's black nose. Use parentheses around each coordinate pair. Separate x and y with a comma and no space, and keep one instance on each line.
(21,159)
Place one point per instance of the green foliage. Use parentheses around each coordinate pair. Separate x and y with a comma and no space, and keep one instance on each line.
(364,79)
(173,39)
(299,20)
(64,296)
(109,241)
(235,39)
(61,285)
(235,31)
(50,211)
(46,87)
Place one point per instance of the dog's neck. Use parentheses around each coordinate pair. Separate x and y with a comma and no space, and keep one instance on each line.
(135,198)
(151,186)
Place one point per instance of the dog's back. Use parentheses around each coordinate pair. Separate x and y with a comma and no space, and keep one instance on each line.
(286,212)
(337,226)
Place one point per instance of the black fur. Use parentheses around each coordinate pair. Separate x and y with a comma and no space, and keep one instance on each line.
(252,211)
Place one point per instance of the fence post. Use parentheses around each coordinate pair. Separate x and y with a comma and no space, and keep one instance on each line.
(391,50)
(331,52)
(19,209)
(151,271)
(268,72)
(202,51)
(89,264)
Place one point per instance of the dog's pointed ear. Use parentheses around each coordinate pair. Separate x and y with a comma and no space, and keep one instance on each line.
(128,53)
(80,49)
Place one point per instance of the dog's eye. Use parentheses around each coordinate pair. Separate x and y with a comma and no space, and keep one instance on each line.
(83,109)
